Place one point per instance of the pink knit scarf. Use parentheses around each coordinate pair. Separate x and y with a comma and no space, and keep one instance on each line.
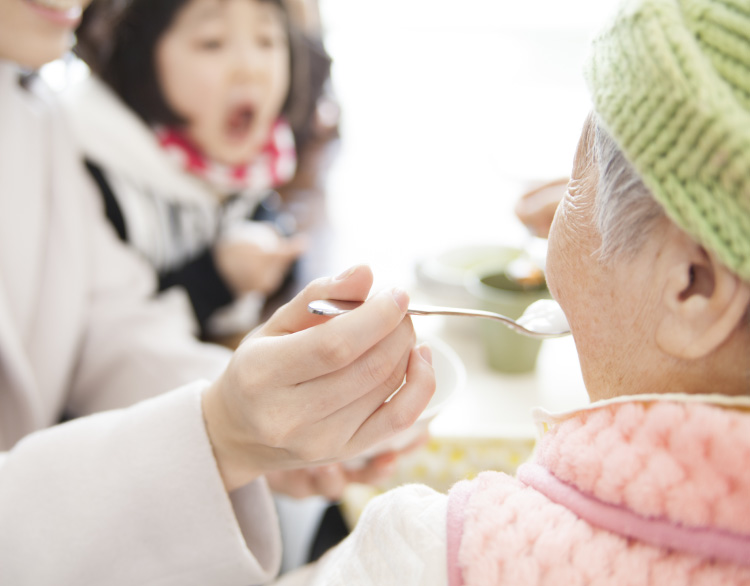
(668,473)
(274,165)
(707,542)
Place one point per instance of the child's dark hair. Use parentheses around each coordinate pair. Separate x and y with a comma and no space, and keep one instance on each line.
(117,39)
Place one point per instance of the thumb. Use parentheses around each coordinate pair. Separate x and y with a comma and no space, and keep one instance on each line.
(352,285)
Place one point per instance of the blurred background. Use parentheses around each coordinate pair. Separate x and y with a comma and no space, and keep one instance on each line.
(444,113)
(449,111)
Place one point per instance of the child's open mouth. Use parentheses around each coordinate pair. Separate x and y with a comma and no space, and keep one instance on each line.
(240,121)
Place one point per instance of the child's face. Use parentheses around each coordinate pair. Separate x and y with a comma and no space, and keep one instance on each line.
(223,66)
(33,32)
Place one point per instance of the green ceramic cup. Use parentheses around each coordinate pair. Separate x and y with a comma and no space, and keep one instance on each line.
(505,350)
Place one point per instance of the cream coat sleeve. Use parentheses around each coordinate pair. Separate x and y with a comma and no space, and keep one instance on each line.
(130,497)
(400,539)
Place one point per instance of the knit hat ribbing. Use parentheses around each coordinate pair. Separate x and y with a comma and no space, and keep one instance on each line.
(670,80)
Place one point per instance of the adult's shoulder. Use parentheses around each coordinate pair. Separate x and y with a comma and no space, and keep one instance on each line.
(399,539)
(407,507)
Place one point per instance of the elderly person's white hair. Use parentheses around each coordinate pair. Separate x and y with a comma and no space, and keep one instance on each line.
(626,211)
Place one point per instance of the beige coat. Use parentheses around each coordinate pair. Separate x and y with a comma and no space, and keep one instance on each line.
(126,497)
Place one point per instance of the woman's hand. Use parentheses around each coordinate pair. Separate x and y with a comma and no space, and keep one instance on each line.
(307,390)
(253,256)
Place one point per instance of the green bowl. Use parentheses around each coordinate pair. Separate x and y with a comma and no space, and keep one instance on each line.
(505,350)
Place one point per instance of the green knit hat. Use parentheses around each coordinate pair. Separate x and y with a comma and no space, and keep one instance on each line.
(670,80)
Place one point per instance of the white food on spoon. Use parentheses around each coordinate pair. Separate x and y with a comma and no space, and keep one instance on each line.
(544,316)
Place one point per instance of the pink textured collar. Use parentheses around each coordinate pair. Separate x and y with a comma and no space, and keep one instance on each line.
(685,462)
(672,475)
(542,417)
(704,542)
(459,498)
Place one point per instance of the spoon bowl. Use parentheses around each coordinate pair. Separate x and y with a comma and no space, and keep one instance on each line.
(542,319)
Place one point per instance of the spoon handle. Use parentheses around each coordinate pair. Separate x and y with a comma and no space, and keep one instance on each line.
(416,309)
(437,310)
(330,307)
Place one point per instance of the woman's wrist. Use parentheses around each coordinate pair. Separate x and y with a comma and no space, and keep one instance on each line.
(232,460)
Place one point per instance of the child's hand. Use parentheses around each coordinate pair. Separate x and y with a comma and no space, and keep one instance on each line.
(255,257)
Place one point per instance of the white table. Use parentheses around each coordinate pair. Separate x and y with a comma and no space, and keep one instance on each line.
(496,405)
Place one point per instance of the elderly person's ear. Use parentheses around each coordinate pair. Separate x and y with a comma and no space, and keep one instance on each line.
(704,302)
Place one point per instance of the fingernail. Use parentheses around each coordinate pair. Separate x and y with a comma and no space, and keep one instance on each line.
(401,298)
(346,274)
(425,353)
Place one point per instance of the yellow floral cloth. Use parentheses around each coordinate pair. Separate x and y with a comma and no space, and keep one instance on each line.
(441,463)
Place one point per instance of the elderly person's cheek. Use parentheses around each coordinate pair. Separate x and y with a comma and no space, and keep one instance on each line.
(563,251)
(576,278)
(553,257)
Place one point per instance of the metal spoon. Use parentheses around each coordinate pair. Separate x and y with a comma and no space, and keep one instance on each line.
(540,320)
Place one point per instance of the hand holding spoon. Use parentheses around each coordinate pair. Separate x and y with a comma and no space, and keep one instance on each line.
(542,319)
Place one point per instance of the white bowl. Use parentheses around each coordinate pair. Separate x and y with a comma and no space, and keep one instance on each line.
(450,376)
(444,274)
